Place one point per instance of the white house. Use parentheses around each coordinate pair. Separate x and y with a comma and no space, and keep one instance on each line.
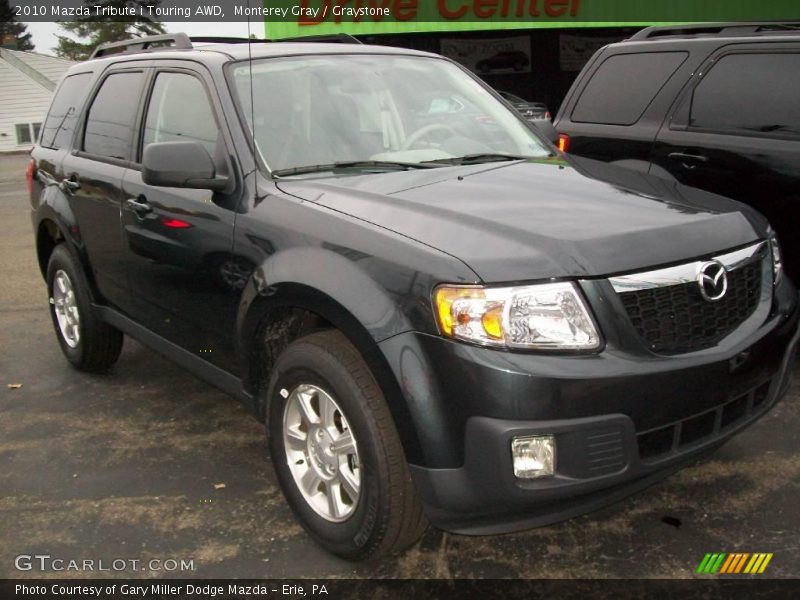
(27,81)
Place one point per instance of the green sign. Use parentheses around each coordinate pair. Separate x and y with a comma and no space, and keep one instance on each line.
(292,18)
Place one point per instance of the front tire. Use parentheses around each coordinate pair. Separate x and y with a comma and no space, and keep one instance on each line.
(337,453)
(88,343)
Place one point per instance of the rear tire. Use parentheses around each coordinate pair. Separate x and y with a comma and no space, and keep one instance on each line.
(377,512)
(88,343)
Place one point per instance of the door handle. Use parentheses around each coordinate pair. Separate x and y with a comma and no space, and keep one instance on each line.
(688,161)
(139,205)
(69,185)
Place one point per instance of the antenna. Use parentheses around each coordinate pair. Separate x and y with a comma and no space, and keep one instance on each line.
(252,100)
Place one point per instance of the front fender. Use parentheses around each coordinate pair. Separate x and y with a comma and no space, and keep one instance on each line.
(333,287)
(329,274)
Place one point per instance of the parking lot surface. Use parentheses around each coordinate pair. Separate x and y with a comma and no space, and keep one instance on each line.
(148,463)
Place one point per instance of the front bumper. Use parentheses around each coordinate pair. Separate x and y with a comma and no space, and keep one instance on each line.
(621,422)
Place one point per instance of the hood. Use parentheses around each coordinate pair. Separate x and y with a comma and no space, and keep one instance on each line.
(544,218)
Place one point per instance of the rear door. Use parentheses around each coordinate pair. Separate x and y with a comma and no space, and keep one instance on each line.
(736,132)
(178,242)
(93,174)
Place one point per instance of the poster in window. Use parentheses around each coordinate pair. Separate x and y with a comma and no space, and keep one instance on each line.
(488,56)
(574,51)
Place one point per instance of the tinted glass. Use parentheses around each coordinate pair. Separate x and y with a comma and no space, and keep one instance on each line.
(60,123)
(624,85)
(171,118)
(109,125)
(750,93)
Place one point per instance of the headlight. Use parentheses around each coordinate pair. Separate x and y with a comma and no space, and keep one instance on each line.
(550,316)
(777,263)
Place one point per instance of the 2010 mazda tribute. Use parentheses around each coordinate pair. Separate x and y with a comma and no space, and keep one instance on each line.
(438,317)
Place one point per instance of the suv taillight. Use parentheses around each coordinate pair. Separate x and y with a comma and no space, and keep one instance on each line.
(548,116)
(563,142)
(29,175)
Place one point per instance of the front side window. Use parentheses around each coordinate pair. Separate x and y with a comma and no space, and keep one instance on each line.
(59,125)
(750,93)
(179,111)
(318,110)
(110,122)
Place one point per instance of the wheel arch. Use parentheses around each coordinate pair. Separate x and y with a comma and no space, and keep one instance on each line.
(48,236)
(55,223)
(297,301)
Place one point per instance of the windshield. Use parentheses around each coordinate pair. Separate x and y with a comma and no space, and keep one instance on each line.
(353,108)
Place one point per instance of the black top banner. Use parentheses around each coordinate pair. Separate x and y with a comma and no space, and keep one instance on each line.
(450,13)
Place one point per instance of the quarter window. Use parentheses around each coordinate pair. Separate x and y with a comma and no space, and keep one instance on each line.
(179,111)
(624,86)
(750,93)
(60,122)
(110,122)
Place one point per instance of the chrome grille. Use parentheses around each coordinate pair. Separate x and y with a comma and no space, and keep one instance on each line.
(671,316)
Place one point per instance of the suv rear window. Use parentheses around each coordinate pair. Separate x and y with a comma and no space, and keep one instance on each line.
(750,93)
(624,85)
(109,124)
(64,111)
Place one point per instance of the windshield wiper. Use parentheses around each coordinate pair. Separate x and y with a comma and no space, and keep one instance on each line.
(475,159)
(355,164)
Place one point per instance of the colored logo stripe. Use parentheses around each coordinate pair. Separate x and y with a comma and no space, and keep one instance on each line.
(711,563)
(758,563)
(737,562)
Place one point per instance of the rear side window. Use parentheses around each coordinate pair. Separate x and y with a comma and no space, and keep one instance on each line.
(624,85)
(750,93)
(60,123)
(179,111)
(110,122)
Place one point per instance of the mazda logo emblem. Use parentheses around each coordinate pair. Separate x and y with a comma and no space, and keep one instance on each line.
(712,280)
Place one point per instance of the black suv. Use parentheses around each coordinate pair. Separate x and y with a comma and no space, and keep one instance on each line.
(438,317)
(714,106)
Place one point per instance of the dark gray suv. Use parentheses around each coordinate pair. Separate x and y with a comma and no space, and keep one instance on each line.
(438,317)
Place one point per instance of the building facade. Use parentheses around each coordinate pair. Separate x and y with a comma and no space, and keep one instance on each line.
(27,81)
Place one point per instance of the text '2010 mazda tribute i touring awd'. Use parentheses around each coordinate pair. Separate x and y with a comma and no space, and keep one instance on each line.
(438,317)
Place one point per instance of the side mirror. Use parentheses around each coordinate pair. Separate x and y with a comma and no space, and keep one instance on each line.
(545,127)
(182,165)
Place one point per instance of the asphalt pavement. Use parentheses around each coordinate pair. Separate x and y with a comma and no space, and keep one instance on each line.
(149,463)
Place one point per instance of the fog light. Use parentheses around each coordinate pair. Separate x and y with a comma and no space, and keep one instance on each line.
(534,456)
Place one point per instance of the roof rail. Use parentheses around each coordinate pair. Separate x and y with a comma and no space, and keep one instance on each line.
(213,39)
(180,41)
(717,29)
(333,38)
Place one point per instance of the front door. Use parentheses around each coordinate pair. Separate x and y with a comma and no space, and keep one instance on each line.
(178,241)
